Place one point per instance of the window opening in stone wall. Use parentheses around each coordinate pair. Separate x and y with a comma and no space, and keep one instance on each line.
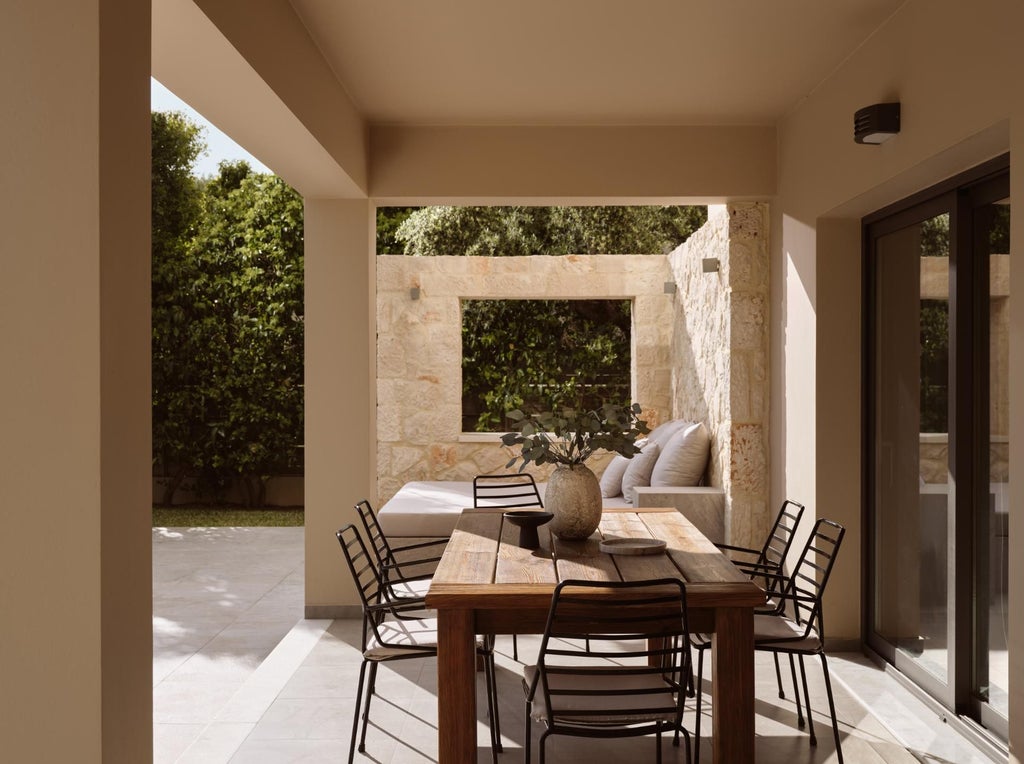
(537,355)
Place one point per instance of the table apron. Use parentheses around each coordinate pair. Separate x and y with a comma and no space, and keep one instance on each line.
(533,620)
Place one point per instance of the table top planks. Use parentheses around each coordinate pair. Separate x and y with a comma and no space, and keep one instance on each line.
(483,561)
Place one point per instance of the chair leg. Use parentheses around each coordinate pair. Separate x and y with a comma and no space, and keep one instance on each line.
(355,713)
(807,700)
(542,742)
(492,702)
(796,692)
(778,676)
(528,735)
(700,695)
(657,742)
(515,648)
(832,708)
(366,710)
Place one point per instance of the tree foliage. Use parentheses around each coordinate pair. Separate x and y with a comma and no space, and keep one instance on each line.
(176,209)
(510,231)
(228,334)
(537,355)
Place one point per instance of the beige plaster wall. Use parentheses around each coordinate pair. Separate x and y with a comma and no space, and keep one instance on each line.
(570,165)
(75,592)
(720,357)
(340,405)
(419,350)
(957,111)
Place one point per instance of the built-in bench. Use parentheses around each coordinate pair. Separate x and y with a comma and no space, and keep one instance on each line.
(431,508)
(675,452)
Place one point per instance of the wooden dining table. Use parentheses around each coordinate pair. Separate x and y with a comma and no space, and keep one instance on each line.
(486,584)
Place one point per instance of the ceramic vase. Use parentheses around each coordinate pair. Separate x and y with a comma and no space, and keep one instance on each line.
(573,496)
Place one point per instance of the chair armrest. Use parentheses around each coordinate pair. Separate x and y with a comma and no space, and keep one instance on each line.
(420,545)
(731,548)
(408,559)
(701,505)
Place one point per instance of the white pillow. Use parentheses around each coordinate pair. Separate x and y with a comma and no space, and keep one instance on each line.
(664,431)
(684,458)
(611,479)
(638,473)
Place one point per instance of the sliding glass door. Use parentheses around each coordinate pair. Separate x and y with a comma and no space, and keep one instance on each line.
(937,403)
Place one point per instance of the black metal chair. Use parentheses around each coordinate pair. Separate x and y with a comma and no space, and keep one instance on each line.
(765,566)
(628,682)
(508,490)
(796,628)
(389,636)
(397,564)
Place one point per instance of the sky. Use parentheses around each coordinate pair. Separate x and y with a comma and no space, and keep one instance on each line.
(219,147)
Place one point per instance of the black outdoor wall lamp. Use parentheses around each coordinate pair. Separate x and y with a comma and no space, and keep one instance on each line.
(877,123)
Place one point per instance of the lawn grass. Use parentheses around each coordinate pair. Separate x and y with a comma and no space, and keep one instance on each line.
(219,517)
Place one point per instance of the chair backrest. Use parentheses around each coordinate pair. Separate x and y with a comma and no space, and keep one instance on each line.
(806,586)
(506,490)
(364,569)
(378,541)
(631,630)
(373,594)
(783,532)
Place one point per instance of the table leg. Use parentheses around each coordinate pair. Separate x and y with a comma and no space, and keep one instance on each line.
(733,685)
(456,687)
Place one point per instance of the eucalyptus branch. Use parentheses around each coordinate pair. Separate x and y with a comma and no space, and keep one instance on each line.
(570,437)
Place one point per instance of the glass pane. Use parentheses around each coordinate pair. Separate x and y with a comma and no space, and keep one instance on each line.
(992,550)
(914,494)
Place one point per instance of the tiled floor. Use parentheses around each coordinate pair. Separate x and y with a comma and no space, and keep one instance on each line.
(213,704)
(223,598)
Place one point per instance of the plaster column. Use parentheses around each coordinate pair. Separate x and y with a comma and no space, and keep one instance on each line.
(75,456)
(340,400)
(837,427)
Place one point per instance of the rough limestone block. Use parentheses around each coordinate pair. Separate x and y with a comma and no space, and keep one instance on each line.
(746,220)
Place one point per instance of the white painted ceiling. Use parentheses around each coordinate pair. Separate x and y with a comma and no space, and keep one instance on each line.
(594,62)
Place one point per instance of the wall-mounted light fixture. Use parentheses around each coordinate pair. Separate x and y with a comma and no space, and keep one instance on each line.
(414,293)
(709,264)
(877,123)
(670,287)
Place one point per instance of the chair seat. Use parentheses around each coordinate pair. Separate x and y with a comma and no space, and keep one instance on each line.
(404,637)
(415,590)
(784,633)
(624,683)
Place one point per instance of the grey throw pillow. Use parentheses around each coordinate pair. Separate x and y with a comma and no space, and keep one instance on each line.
(611,478)
(638,472)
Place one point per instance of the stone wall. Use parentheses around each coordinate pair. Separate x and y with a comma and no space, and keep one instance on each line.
(699,354)
(720,357)
(419,350)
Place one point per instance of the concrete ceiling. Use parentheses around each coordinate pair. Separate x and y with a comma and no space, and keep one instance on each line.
(585,62)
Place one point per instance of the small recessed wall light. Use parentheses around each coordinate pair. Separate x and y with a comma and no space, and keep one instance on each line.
(709,264)
(414,293)
(670,287)
(877,123)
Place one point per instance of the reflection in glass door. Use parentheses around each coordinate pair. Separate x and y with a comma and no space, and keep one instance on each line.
(913,494)
(937,433)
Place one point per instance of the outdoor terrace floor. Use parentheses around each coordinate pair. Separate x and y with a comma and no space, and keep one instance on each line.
(240,677)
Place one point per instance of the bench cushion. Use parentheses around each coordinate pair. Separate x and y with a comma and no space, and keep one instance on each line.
(431,508)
